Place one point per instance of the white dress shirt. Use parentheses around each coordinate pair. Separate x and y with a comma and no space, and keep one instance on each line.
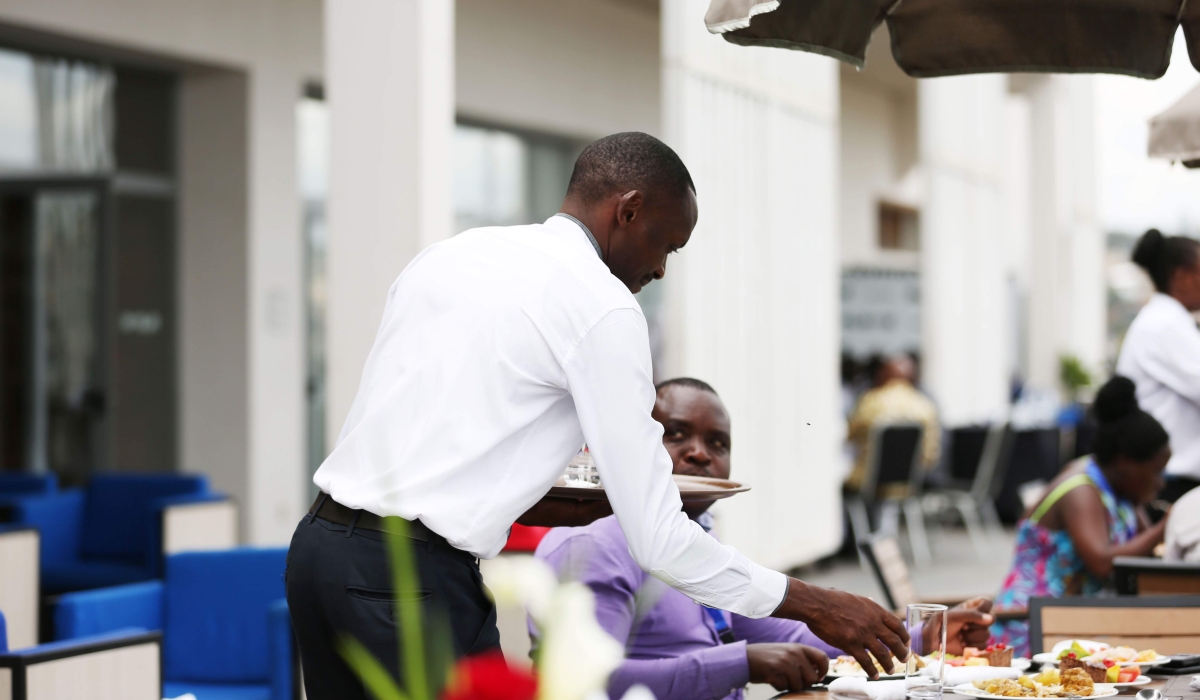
(501,351)
(1183,529)
(1161,354)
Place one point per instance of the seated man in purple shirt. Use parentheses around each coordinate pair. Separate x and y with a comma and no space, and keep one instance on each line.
(679,649)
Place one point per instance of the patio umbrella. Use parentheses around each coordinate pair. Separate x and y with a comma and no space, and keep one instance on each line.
(1175,134)
(953,37)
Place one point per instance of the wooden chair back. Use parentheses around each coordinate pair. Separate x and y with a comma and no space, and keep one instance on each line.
(882,552)
(1151,576)
(1167,624)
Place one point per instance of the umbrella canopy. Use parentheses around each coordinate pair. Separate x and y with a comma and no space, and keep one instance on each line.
(1175,134)
(933,38)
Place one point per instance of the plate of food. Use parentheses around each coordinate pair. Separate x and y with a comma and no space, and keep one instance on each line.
(993,655)
(1066,684)
(1119,676)
(691,488)
(1082,652)
(848,666)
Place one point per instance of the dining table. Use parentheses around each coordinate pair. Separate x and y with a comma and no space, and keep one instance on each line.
(822,693)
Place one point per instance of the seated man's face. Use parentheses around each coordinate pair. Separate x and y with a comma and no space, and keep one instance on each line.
(695,433)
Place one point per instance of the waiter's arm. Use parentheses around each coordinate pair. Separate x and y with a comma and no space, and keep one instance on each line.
(609,376)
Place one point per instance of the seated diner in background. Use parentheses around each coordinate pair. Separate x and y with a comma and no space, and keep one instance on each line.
(679,649)
(1090,514)
(895,399)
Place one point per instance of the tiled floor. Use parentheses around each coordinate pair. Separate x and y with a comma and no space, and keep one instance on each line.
(957,570)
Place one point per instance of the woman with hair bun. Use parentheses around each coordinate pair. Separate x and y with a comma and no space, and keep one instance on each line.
(1161,352)
(1089,514)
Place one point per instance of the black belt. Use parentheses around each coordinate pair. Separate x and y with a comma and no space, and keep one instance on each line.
(326,508)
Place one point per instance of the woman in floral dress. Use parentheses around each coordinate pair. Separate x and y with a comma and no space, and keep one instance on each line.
(1089,515)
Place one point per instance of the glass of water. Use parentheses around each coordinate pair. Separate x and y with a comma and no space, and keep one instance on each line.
(924,677)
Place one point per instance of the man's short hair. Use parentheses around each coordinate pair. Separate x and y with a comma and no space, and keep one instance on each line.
(627,161)
(688,382)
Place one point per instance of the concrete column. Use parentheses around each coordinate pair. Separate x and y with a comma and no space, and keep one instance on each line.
(752,301)
(213,310)
(963,279)
(1066,296)
(390,87)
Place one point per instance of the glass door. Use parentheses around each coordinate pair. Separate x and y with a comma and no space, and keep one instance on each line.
(52,414)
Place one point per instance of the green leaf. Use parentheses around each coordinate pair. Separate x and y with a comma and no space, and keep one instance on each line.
(408,609)
(372,673)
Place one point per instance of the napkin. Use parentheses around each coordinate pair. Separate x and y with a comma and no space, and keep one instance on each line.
(1195,684)
(859,688)
(957,675)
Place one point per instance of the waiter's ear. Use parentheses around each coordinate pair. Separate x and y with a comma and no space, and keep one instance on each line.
(628,207)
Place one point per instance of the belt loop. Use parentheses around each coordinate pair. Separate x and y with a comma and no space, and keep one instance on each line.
(317,510)
(353,523)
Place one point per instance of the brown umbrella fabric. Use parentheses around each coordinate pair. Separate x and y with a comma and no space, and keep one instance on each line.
(933,38)
(1175,134)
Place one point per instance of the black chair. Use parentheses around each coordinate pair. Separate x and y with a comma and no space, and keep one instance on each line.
(1149,576)
(893,466)
(978,482)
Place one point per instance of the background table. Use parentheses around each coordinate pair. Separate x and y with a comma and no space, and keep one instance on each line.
(824,694)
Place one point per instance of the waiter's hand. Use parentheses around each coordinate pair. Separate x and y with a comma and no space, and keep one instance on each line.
(852,623)
(564,512)
(786,666)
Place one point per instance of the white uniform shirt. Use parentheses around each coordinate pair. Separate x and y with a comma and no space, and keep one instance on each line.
(501,351)
(1183,529)
(1161,354)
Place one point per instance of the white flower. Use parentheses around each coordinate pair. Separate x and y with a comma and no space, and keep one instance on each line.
(577,655)
(521,580)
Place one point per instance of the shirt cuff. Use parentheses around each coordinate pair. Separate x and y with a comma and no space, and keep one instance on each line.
(726,668)
(765,593)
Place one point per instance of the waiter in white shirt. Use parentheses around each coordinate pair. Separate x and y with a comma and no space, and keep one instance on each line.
(501,351)
(1161,353)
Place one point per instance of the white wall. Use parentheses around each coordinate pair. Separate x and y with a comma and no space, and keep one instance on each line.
(878,159)
(962,134)
(276,46)
(584,68)
(753,299)
(1067,289)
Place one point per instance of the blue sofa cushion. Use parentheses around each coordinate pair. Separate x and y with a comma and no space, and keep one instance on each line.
(217,614)
(217,691)
(60,577)
(118,509)
(58,518)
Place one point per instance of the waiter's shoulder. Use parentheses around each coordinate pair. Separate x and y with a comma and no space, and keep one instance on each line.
(553,259)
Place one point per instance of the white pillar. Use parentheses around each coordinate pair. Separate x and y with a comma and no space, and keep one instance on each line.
(390,88)
(965,330)
(753,298)
(1066,295)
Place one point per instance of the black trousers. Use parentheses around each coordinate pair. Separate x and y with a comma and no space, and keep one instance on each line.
(339,582)
(1176,486)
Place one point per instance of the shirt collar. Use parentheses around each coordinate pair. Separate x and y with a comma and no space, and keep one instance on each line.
(586,230)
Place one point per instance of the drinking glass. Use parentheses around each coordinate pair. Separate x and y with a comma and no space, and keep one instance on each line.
(923,681)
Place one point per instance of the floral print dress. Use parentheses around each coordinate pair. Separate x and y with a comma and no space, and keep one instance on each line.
(1046,563)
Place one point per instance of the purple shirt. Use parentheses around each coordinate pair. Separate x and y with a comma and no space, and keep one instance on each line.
(671,643)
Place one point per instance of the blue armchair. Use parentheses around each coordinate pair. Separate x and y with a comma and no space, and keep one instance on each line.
(22,484)
(227,634)
(108,533)
(130,667)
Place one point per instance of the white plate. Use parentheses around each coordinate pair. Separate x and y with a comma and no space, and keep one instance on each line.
(861,674)
(1020,663)
(1048,659)
(1103,690)
(1140,680)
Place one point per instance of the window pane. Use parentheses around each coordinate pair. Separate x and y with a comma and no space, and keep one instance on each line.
(490,178)
(18,112)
